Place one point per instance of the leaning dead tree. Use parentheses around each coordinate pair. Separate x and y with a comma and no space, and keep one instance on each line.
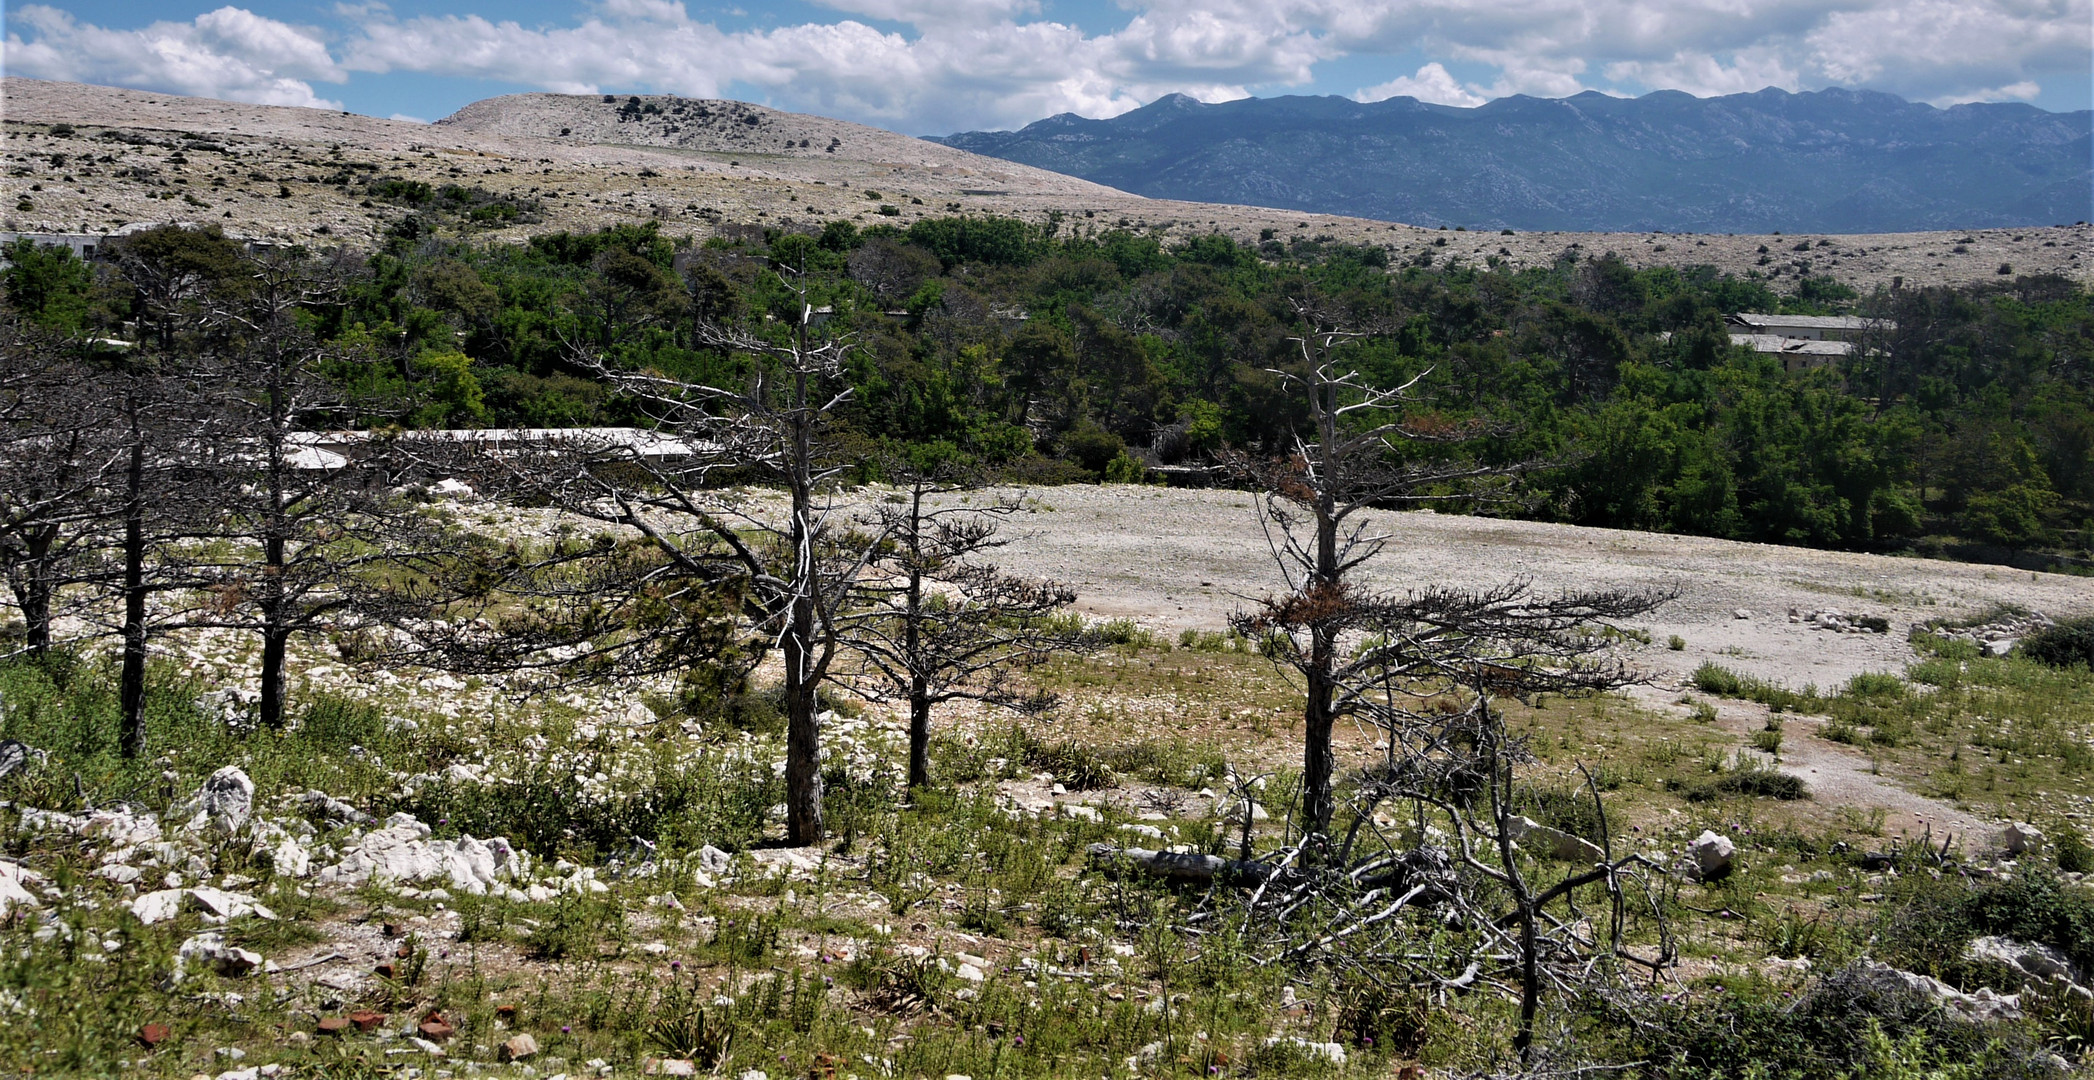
(1360,453)
(944,625)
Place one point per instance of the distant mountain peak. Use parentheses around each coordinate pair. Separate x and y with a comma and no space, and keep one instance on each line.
(1833,160)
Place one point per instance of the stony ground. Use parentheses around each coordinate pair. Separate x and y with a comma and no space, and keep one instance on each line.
(284,173)
(269,925)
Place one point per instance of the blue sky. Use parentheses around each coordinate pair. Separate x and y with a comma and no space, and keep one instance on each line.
(936,66)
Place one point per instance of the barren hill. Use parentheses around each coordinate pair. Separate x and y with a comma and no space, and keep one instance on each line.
(93,159)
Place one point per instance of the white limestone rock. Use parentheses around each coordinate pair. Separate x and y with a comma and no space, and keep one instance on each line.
(1556,843)
(211,951)
(224,802)
(1984,1004)
(401,853)
(1713,855)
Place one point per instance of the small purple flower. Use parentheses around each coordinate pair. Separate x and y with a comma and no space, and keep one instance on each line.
(566,1029)
(675,965)
(1017,1040)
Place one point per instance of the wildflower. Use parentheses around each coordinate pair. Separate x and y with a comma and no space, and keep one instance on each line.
(1017,1040)
(566,1029)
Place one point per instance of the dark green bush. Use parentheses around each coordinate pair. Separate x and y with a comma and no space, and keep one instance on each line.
(2066,644)
(1753,1029)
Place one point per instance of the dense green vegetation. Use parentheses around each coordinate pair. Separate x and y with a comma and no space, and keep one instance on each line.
(1103,353)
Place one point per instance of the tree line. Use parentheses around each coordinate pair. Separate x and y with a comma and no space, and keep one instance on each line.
(1061,355)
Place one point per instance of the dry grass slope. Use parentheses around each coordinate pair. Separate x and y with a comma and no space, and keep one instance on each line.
(695,167)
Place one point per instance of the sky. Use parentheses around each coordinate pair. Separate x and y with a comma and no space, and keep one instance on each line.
(940,66)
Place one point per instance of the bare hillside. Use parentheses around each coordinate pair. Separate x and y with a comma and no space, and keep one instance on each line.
(94,159)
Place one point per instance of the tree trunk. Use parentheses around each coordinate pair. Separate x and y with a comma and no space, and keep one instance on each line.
(276,633)
(1530,983)
(803,742)
(919,733)
(803,746)
(1318,763)
(275,643)
(912,647)
(33,591)
(131,691)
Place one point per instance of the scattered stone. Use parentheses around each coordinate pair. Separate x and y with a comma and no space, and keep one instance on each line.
(1558,844)
(1984,1004)
(520,1045)
(213,951)
(450,488)
(434,1028)
(332,811)
(1713,855)
(1836,621)
(2020,838)
(14,757)
(165,904)
(425,1046)
(333,1025)
(15,880)
(153,1035)
(970,973)
(1742,613)
(671,1067)
(1331,1052)
(366,1020)
(224,802)
(1080,812)
(506,1012)
(2037,961)
(402,853)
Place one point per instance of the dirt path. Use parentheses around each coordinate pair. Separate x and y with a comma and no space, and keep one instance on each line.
(1838,777)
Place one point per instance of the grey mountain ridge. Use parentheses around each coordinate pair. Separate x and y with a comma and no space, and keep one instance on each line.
(1824,161)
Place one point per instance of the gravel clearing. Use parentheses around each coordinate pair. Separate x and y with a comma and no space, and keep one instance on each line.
(1178,559)
(1174,559)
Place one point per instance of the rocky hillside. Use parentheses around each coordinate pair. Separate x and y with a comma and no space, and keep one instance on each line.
(95,159)
(1834,160)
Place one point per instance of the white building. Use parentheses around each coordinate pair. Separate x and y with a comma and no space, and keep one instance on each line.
(1803,341)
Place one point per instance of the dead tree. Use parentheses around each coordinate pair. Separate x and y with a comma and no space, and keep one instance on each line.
(319,521)
(786,564)
(1436,839)
(158,498)
(1358,454)
(945,626)
(57,461)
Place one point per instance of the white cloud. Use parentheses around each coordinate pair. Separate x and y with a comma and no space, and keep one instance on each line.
(2021,91)
(1432,83)
(988,63)
(230,53)
(1704,75)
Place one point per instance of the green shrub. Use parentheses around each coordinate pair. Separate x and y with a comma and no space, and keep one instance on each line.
(1713,678)
(2067,644)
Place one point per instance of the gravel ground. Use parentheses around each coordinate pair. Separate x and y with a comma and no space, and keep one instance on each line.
(1174,559)
(1177,559)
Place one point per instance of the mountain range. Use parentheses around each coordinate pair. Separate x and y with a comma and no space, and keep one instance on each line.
(1824,161)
